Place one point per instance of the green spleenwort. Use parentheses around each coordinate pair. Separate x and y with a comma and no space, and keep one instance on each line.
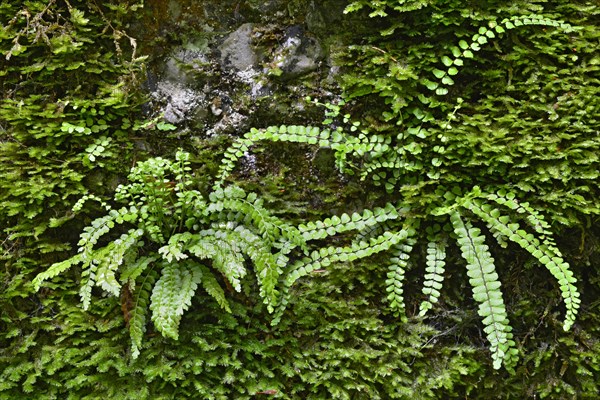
(486,290)
(434,278)
(542,247)
(230,225)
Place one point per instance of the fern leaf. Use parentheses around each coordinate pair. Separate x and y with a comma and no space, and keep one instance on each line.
(137,322)
(486,288)
(173,249)
(104,272)
(54,270)
(395,276)
(172,295)
(212,287)
(88,277)
(531,215)
(436,255)
(334,225)
(225,250)
(544,251)
(92,259)
(266,266)
(328,255)
(292,133)
(235,199)
(111,258)
(131,271)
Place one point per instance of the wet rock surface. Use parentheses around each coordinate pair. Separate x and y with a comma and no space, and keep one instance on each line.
(237,50)
(224,66)
(298,55)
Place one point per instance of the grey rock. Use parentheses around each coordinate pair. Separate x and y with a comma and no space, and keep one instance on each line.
(230,123)
(181,101)
(173,68)
(237,51)
(298,55)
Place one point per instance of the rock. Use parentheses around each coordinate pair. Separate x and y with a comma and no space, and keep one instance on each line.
(298,55)
(237,51)
(188,55)
(230,123)
(178,102)
(176,91)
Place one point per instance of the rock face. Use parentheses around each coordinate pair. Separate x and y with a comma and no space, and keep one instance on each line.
(298,55)
(223,66)
(237,50)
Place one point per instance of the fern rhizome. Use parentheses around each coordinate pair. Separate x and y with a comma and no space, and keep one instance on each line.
(180,239)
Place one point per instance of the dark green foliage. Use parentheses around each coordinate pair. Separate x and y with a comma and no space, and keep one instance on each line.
(173,228)
(522,101)
(64,115)
(517,117)
(398,240)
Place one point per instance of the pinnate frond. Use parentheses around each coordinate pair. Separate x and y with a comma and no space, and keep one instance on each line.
(334,225)
(486,289)
(250,207)
(212,287)
(293,133)
(327,255)
(395,276)
(137,322)
(131,271)
(543,249)
(436,262)
(55,270)
(172,295)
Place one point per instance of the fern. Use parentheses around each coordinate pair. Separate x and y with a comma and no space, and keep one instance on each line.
(436,254)
(465,49)
(115,254)
(172,295)
(543,249)
(334,225)
(137,322)
(332,254)
(194,236)
(374,227)
(486,289)
(212,287)
(396,270)
(55,270)
(131,271)
(184,231)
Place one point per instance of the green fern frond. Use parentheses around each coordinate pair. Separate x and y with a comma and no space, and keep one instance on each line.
(267,266)
(172,295)
(395,276)
(334,225)
(229,259)
(486,288)
(137,322)
(88,277)
(250,207)
(91,234)
(225,249)
(332,254)
(111,259)
(55,270)
(543,250)
(436,262)
(131,271)
(450,64)
(173,250)
(293,133)
(533,19)
(212,287)
(533,218)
